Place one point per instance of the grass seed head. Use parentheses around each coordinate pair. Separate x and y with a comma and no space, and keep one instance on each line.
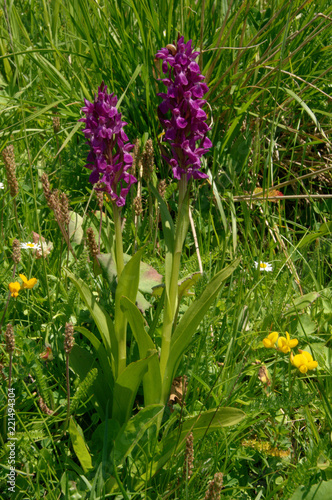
(10,167)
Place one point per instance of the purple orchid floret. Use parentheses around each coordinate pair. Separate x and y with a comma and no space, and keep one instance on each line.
(109,157)
(181,112)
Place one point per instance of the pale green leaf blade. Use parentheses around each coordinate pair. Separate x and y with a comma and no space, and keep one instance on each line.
(100,316)
(80,448)
(152,379)
(126,386)
(133,430)
(193,316)
(320,491)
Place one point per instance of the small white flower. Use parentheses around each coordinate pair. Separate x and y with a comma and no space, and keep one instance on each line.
(30,246)
(2,185)
(263,266)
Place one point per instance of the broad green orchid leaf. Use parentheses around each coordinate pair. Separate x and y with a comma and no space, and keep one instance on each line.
(80,448)
(184,285)
(81,362)
(200,425)
(148,276)
(319,491)
(189,322)
(302,302)
(126,386)
(100,317)
(152,379)
(127,286)
(100,350)
(133,431)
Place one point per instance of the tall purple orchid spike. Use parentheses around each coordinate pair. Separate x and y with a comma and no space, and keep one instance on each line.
(109,157)
(181,111)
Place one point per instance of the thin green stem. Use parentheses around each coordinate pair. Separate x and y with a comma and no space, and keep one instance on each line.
(120,323)
(171,301)
(118,240)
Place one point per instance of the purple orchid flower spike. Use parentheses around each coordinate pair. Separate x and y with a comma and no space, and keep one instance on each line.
(109,157)
(181,112)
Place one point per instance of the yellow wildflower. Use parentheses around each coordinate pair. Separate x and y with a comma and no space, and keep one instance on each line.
(303,361)
(270,340)
(14,288)
(285,344)
(28,283)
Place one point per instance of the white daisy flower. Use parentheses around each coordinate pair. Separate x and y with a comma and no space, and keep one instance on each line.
(2,186)
(263,266)
(30,246)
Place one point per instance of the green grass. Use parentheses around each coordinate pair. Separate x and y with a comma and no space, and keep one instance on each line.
(268,68)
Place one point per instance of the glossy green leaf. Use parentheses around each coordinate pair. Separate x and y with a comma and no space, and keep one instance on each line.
(200,425)
(190,320)
(80,448)
(81,361)
(325,228)
(126,386)
(100,350)
(319,491)
(184,286)
(152,379)
(148,276)
(127,286)
(132,431)
(302,302)
(100,317)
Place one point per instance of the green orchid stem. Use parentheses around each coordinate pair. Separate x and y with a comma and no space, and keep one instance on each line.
(120,323)
(171,299)
(118,240)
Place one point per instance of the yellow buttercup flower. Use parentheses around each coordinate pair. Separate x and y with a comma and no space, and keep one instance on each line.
(303,361)
(285,344)
(28,283)
(270,340)
(14,288)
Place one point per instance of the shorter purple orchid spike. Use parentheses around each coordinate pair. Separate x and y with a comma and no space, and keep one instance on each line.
(181,112)
(109,157)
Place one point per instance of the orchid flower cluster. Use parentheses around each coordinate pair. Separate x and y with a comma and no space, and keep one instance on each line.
(109,157)
(181,112)
(303,361)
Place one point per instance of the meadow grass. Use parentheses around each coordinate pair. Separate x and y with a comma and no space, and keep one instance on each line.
(268,69)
